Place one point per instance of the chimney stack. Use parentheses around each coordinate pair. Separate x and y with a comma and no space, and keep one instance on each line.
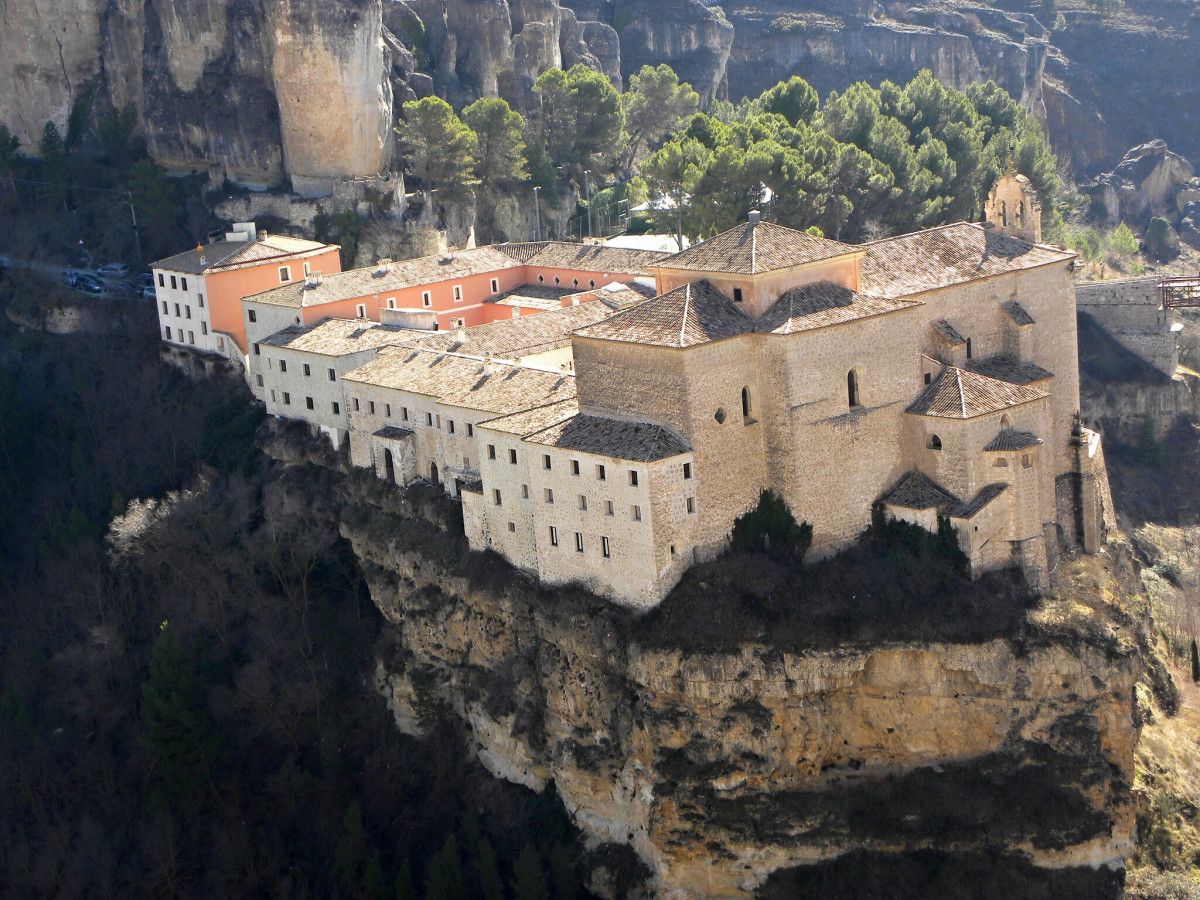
(755,217)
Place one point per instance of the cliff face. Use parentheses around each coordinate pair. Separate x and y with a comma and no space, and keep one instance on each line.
(722,767)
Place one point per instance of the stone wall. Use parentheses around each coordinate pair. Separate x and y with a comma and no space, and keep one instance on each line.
(1130,310)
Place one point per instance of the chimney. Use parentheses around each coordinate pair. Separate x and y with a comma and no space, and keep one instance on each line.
(460,333)
(755,217)
(383,265)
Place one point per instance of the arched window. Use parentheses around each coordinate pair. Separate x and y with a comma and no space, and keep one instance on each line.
(1005,422)
(1004,213)
(969,348)
(1021,214)
(933,442)
(433,473)
(852,388)
(389,466)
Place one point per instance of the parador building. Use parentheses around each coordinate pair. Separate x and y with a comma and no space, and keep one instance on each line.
(616,412)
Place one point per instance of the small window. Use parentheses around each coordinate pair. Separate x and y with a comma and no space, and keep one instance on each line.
(635,513)
(283,365)
(1026,461)
(546,461)
(361,310)
(200,300)
(583,502)
(524,492)
(591,282)
(553,536)
(541,279)
(601,474)
(574,467)
(391,302)
(272,396)
(512,526)
(268,362)
(608,508)
(285,274)
(579,542)
(737,295)
(258,379)
(492,451)
(470,430)
(174,283)
(852,388)
(307,269)
(337,409)
(512,456)
(307,370)
(633,478)
(371,407)
(428,420)
(575,282)
(426,298)
(929,378)
(687,470)
(691,505)
(933,442)
(549,495)
(191,337)
(164,307)
(604,548)
(968,348)
(719,415)
(257,350)
(204,328)
(177,312)
(439,420)
(308,402)
(287,398)
(458,293)
(182,283)
(355,401)
(387,410)
(450,425)
(404,413)
(167,332)
(496,496)
(1001,463)
(161,283)
(495,286)
(557,280)
(187,312)
(252,315)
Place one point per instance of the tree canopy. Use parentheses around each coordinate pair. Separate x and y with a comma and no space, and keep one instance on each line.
(439,150)
(655,105)
(581,118)
(499,141)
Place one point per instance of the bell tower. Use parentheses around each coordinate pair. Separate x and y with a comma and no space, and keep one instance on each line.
(1013,207)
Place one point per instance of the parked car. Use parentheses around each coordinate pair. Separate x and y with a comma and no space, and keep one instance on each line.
(113,270)
(88,284)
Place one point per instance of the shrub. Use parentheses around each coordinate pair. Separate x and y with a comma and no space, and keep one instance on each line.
(787,25)
(770,527)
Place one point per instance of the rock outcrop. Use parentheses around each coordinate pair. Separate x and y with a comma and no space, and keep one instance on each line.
(1146,183)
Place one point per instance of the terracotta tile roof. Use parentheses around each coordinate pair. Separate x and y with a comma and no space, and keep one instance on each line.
(959,394)
(514,338)
(394,432)
(531,420)
(952,254)
(916,490)
(457,380)
(821,304)
(235,254)
(1012,440)
(1010,369)
(696,313)
(949,332)
(474,486)
(393,276)
(616,438)
(338,337)
(540,296)
(750,249)
(1017,312)
(973,507)
(594,258)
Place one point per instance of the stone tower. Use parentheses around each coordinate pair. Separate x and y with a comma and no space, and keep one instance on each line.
(1013,206)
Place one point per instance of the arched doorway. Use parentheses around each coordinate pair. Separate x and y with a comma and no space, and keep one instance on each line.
(389,466)
(433,473)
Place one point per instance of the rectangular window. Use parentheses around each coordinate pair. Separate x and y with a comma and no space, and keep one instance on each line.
(633,478)
(307,269)
(496,496)
(687,470)
(307,370)
(268,362)
(391,302)
(458,293)
(355,401)
(450,425)
(164,306)
(332,374)
(512,456)
(546,461)
(204,328)
(553,536)
(258,379)
(200,300)
(191,337)
(605,549)
(524,492)
(549,495)
(601,474)
(161,283)
(174,283)
(252,315)
(187,312)
(512,526)
(257,350)
(308,402)
(492,451)
(691,505)
(428,420)
(337,409)
(495,286)
(167,332)
(285,274)
(737,295)
(574,467)
(470,430)
(426,298)
(371,407)
(579,542)
(287,398)
(177,312)
(583,502)
(272,396)
(183,284)
(283,365)
(439,420)
(387,410)
(404,413)
(361,310)
(635,513)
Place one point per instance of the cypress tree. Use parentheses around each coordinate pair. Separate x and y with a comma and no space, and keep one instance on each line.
(1195,662)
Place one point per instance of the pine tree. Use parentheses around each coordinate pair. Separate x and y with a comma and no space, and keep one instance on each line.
(406,888)
(490,884)
(1195,662)
(529,879)
(444,878)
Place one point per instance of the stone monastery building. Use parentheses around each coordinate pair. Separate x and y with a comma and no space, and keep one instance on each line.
(613,437)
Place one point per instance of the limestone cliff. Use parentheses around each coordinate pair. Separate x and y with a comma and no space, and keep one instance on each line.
(725,764)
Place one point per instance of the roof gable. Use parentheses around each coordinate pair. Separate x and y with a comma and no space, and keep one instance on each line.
(959,394)
(754,248)
(688,316)
(617,438)
(824,303)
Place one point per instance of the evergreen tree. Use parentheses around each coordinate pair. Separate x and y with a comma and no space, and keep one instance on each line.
(180,737)
(444,878)
(580,118)
(490,884)
(655,105)
(1122,241)
(1195,661)
(529,879)
(438,149)
(500,144)
(795,99)
(10,157)
(671,174)
(406,888)
(54,163)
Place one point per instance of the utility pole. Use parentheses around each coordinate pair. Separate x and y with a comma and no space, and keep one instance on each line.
(587,186)
(537,210)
